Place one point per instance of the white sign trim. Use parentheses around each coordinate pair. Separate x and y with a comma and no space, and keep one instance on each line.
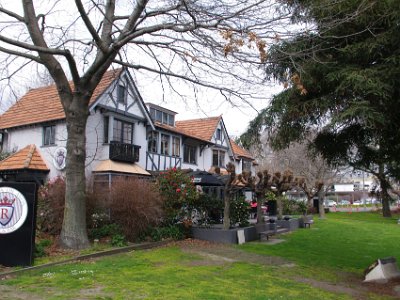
(7,191)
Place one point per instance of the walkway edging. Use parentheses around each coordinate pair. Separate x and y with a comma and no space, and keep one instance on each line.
(130,248)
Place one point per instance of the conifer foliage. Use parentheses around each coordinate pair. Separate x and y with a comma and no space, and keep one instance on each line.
(342,78)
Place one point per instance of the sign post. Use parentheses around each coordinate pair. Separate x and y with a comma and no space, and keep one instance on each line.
(17,223)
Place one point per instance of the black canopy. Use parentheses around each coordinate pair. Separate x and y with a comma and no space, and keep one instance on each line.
(204,178)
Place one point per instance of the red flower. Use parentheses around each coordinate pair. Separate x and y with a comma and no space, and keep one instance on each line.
(178,190)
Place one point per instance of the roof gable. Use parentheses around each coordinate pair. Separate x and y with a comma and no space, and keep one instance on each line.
(203,129)
(44,105)
(28,158)
(239,151)
(133,103)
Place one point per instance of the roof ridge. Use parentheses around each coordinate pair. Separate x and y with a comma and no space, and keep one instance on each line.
(29,156)
(197,119)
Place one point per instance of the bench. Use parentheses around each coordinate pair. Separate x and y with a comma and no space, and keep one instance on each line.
(308,223)
(266,234)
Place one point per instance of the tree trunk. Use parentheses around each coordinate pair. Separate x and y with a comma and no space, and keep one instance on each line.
(280,207)
(260,217)
(310,204)
(227,207)
(74,231)
(321,207)
(385,199)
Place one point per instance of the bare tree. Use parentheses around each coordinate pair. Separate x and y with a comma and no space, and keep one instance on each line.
(312,173)
(173,39)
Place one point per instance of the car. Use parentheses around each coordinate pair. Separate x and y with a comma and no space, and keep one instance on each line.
(330,203)
(344,202)
(358,202)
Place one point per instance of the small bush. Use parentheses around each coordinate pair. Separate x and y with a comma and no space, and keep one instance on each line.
(176,232)
(118,240)
(40,248)
(178,193)
(239,212)
(209,210)
(51,199)
(108,230)
(135,205)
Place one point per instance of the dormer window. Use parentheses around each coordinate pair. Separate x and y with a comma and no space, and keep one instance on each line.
(162,116)
(121,93)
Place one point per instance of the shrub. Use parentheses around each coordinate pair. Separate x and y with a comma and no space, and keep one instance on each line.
(40,248)
(51,199)
(293,207)
(118,240)
(239,212)
(176,232)
(135,205)
(107,230)
(209,209)
(178,193)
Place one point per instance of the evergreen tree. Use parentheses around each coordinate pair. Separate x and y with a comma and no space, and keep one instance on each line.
(342,78)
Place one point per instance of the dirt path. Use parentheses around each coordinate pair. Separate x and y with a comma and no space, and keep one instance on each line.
(213,253)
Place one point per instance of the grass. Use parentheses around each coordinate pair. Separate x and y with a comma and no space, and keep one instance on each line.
(343,241)
(165,273)
(350,242)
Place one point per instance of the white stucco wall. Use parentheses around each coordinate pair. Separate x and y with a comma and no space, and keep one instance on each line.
(18,139)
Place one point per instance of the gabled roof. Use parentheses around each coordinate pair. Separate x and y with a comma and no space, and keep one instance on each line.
(44,105)
(179,131)
(239,151)
(200,128)
(28,158)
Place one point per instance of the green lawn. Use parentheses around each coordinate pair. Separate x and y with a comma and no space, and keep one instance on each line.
(165,273)
(344,241)
(341,242)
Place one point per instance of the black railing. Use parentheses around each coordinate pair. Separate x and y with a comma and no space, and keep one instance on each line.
(124,152)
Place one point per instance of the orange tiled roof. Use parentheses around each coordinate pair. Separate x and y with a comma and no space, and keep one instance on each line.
(178,131)
(239,151)
(28,158)
(200,128)
(43,104)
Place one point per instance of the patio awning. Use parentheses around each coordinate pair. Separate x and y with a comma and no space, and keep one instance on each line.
(120,167)
(205,179)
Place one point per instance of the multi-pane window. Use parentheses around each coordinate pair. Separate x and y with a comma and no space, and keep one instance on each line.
(176,146)
(171,120)
(122,132)
(218,158)
(158,116)
(121,93)
(246,165)
(218,135)
(152,141)
(162,117)
(106,120)
(165,144)
(189,154)
(49,135)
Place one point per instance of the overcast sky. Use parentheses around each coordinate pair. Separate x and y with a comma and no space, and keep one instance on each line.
(198,103)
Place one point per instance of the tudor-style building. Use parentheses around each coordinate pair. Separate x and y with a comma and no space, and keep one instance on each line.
(124,135)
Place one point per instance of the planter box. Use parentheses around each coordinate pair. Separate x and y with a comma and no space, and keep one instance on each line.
(219,235)
(291,224)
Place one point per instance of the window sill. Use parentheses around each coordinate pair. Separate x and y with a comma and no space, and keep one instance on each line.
(48,146)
